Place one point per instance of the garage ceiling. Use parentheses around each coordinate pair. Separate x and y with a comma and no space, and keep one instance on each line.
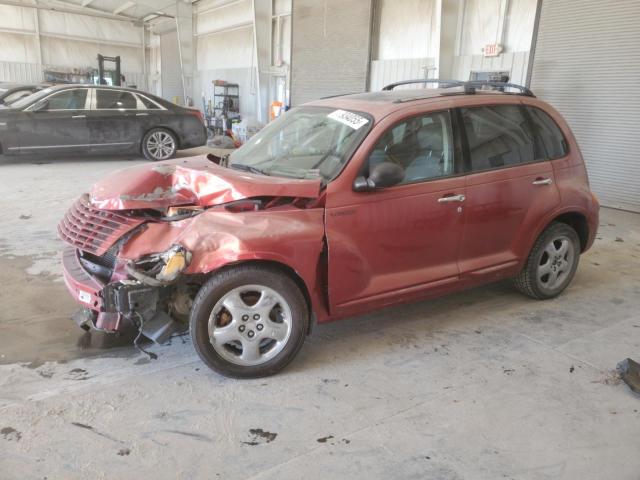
(133,10)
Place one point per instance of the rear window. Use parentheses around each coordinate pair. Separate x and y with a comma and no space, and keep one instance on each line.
(552,143)
(115,99)
(148,103)
(498,136)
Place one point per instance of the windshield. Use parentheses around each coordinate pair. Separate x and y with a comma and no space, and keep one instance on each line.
(28,100)
(306,142)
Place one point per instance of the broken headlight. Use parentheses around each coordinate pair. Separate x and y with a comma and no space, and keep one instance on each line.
(179,213)
(160,268)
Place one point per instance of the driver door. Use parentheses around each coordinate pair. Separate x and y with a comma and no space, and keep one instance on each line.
(394,244)
(55,123)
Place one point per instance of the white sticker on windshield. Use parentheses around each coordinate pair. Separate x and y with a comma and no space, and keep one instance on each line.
(350,119)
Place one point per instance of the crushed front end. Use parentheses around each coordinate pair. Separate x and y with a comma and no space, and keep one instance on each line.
(147,293)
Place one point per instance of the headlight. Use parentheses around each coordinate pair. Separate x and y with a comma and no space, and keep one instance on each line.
(159,269)
(179,213)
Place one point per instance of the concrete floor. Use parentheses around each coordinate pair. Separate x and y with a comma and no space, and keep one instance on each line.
(483,384)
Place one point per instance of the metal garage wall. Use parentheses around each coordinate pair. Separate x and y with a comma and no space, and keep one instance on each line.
(170,72)
(587,64)
(330,48)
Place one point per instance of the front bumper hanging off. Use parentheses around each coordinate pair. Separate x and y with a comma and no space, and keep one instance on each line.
(106,305)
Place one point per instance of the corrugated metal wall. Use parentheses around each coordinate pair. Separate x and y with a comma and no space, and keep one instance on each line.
(587,64)
(514,62)
(330,48)
(384,72)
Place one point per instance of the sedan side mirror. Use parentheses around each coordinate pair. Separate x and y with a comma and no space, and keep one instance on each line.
(382,175)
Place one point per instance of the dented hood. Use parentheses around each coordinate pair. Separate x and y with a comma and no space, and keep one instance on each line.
(190,181)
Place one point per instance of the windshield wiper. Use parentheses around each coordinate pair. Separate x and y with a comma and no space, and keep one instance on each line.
(248,168)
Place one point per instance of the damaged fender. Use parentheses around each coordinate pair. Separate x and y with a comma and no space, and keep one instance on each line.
(287,235)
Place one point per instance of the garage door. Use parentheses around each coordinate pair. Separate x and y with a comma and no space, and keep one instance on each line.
(587,64)
(170,68)
(330,48)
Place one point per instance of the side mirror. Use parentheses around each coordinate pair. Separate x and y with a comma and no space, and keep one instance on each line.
(383,175)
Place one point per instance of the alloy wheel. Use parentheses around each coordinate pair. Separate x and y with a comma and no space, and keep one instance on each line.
(555,263)
(161,145)
(250,325)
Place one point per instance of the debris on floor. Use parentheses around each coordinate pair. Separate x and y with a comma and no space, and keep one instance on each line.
(629,371)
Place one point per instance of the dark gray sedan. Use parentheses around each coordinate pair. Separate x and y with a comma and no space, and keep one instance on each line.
(99,119)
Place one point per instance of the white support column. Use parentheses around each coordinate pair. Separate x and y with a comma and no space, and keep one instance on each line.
(36,22)
(449,15)
(184,26)
(262,25)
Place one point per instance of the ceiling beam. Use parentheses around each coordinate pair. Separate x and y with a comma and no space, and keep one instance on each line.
(86,2)
(90,12)
(123,7)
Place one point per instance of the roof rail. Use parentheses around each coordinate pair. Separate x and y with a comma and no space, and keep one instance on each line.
(444,83)
(469,87)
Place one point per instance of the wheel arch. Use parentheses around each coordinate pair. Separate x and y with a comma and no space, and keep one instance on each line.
(578,222)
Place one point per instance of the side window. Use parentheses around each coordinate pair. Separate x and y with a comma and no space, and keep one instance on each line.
(67,100)
(422,145)
(550,137)
(148,103)
(498,136)
(115,99)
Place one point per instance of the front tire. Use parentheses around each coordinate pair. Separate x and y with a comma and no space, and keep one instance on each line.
(159,144)
(551,264)
(248,321)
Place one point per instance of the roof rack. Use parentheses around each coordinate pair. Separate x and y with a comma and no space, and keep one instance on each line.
(470,87)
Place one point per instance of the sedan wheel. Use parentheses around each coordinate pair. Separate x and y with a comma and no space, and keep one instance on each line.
(159,144)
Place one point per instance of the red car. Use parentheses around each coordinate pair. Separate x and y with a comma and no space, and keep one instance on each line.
(340,207)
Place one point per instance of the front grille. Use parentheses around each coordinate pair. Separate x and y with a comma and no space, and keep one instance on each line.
(102,266)
(92,230)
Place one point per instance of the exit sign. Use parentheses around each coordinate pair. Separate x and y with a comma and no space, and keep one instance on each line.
(492,50)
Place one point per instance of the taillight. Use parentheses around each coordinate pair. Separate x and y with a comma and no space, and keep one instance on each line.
(197,113)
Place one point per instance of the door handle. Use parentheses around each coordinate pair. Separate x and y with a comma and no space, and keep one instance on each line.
(78,116)
(452,198)
(142,114)
(542,181)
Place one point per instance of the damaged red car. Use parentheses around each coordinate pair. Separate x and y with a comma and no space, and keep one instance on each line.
(341,206)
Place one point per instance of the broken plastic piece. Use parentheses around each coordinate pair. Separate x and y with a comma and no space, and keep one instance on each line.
(629,372)
(160,328)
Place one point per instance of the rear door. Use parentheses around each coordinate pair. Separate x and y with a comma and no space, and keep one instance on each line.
(510,188)
(55,123)
(113,120)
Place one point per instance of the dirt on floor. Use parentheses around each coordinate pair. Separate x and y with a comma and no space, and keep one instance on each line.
(36,325)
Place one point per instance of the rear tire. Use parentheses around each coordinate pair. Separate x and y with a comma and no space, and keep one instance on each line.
(159,144)
(551,264)
(248,321)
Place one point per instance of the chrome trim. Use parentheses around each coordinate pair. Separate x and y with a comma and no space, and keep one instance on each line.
(452,198)
(71,146)
(86,101)
(542,181)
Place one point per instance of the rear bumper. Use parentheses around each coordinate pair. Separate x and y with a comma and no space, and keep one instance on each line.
(594,221)
(194,139)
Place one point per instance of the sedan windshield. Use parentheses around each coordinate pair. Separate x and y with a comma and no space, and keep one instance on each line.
(306,142)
